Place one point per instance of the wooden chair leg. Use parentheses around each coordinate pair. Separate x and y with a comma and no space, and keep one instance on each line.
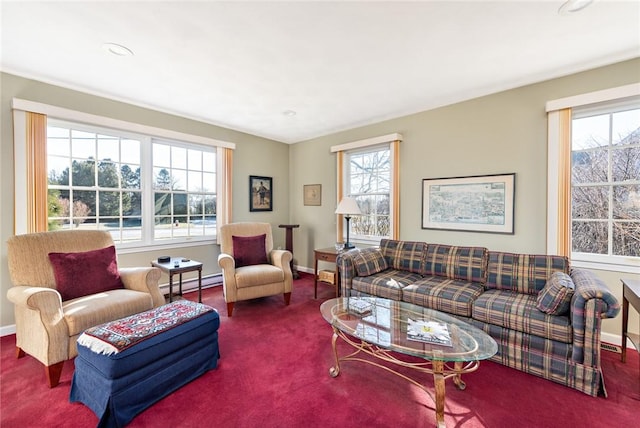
(19,352)
(229,308)
(53,373)
(287,298)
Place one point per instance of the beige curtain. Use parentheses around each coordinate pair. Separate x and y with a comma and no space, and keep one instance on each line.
(564,183)
(225,215)
(37,208)
(340,193)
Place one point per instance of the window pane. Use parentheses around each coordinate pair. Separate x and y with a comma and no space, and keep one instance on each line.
(179,204)
(590,167)
(208,182)
(210,206)
(109,203)
(108,148)
(130,175)
(626,239)
(162,179)
(590,202)
(195,181)
(162,203)
(626,202)
(194,159)
(83,173)
(625,127)
(108,175)
(58,147)
(626,164)
(589,237)
(130,151)
(209,162)
(83,145)
(161,155)
(179,179)
(178,157)
(180,227)
(58,170)
(590,132)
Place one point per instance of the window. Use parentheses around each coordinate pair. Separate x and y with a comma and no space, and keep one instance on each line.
(593,179)
(368,180)
(96,179)
(605,181)
(184,191)
(368,171)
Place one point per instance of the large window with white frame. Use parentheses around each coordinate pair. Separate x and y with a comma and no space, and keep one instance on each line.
(143,190)
(605,181)
(368,181)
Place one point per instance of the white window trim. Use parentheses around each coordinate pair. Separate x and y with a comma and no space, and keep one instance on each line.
(21,106)
(581,260)
(369,143)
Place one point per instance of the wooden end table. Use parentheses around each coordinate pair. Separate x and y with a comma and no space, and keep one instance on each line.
(328,255)
(180,265)
(631,295)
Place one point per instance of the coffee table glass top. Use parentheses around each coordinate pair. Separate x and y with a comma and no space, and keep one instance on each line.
(385,323)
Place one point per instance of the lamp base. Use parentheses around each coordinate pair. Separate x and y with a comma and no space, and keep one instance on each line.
(348,246)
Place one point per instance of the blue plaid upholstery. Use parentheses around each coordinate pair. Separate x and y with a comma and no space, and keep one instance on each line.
(518,312)
(404,255)
(447,295)
(555,297)
(464,263)
(524,273)
(388,284)
(498,292)
(369,261)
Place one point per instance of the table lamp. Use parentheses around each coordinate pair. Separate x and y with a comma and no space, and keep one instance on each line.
(348,207)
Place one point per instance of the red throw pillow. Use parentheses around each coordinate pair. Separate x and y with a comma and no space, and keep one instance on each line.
(250,250)
(81,274)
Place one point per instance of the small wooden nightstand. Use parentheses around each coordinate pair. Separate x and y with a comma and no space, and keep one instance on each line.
(328,255)
(631,295)
(179,265)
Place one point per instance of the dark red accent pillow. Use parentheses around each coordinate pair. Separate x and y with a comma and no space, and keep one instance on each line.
(250,250)
(82,274)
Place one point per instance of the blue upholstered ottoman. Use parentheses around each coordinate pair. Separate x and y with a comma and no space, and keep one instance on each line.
(127,365)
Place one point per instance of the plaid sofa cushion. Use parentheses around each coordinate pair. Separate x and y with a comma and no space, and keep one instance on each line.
(404,255)
(370,261)
(516,311)
(447,295)
(524,273)
(555,297)
(464,263)
(388,284)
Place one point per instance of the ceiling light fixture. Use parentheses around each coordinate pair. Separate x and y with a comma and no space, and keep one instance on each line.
(289,113)
(572,6)
(116,49)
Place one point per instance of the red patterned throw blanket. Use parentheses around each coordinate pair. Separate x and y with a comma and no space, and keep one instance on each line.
(116,336)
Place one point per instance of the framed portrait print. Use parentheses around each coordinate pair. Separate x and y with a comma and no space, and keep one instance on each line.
(260,193)
(478,204)
(313,194)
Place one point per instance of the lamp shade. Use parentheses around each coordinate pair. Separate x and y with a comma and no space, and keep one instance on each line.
(348,206)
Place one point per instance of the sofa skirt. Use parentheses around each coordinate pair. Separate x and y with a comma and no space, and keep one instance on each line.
(119,386)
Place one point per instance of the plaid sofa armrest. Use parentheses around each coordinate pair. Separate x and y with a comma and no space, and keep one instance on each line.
(347,270)
(592,301)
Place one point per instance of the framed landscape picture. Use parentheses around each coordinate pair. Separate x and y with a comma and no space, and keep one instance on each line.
(483,203)
(260,193)
(312,194)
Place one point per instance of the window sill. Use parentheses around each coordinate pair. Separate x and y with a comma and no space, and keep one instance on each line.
(142,248)
(606,266)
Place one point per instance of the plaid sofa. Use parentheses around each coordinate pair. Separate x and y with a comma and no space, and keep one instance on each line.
(499,293)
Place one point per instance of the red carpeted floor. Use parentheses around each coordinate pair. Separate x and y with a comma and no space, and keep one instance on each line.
(273,372)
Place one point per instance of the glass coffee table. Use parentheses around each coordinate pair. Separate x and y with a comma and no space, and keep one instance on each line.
(446,346)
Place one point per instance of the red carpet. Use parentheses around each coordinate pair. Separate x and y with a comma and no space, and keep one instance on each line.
(273,372)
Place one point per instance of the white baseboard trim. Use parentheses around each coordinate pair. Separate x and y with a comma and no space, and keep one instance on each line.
(7,330)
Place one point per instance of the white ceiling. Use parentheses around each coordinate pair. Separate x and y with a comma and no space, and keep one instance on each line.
(338,65)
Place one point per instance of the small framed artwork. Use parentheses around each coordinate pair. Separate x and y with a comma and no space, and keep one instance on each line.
(477,204)
(313,194)
(260,193)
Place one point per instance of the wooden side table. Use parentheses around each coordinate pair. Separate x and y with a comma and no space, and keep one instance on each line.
(180,265)
(631,295)
(325,255)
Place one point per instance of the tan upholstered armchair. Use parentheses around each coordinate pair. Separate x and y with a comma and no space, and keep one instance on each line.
(252,268)
(46,325)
